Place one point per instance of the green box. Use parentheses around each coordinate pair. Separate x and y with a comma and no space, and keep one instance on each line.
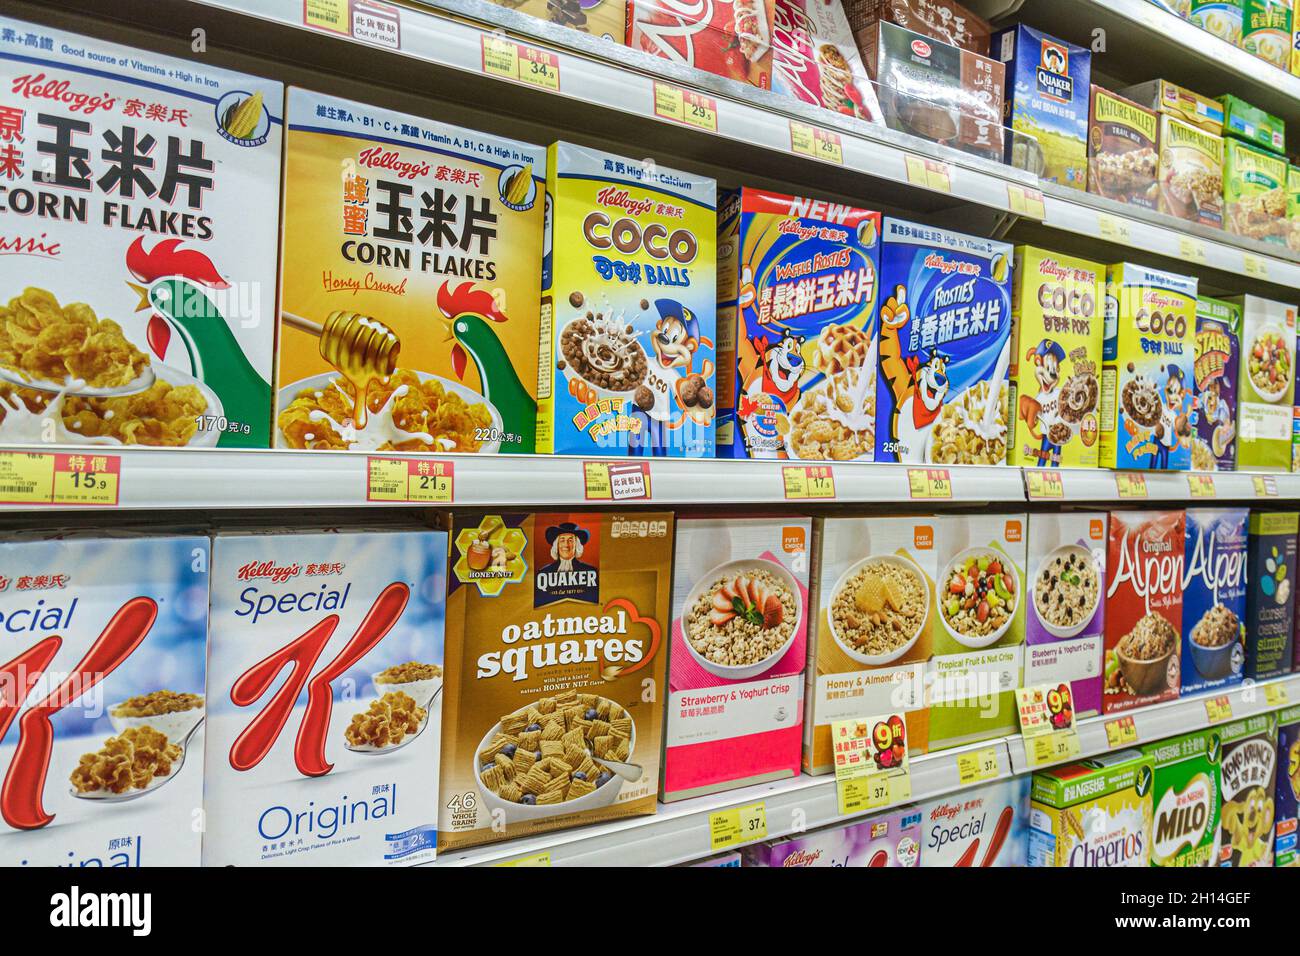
(1254,192)
(1185,799)
(1266,30)
(1094,813)
(1252,124)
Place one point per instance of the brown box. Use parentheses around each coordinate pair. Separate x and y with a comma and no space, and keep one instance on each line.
(939,19)
(1122,154)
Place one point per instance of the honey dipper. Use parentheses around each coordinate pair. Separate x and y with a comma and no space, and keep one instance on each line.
(360,347)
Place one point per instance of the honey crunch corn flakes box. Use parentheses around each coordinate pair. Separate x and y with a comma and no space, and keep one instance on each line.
(558,636)
(1247,775)
(139,205)
(1095,813)
(413,256)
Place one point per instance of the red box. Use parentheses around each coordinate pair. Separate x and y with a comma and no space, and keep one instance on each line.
(729,39)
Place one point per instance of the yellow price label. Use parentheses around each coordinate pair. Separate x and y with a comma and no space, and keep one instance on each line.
(536,859)
(1218,709)
(26,478)
(1121,732)
(511,60)
(1265,486)
(808,481)
(40,478)
(1201,486)
(1026,201)
(1056,747)
(1191,250)
(417,480)
(823,144)
(331,15)
(929,173)
(1275,695)
(616,481)
(856,794)
(978,765)
(929,483)
(738,825)
(1130,484)
(1044,484)
(1112,228)
(1255,267)
(686,106)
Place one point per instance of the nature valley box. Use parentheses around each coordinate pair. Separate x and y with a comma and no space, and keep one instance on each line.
(418,246)
(1170,99)
(1095,813)
(1247,776)
(1254,192)
(1286,801)
(1122,153)
(1214,598)
(1293,208)
(1214,372)
(1265,384)
(1185,799)
(1190,172)
(558,629)
(1252,124)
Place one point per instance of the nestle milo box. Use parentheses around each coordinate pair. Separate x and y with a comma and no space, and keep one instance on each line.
(1286,795)
(1270,597)
(1094,813)
(1185,799)
(1265,383)
(1247,778)
(1217,356)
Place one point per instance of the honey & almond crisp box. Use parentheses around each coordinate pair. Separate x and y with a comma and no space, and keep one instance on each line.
(558,628)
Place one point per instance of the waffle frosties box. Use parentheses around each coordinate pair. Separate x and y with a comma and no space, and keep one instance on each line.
(1095,813)
(324,672)
(141,211)
(102,758)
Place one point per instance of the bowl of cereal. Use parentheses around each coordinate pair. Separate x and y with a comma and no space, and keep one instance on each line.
(835,420)
(421,681)
(740,618)
(878,608)
(1067,587)
(391,721)
(978,596)
(1269,363)
(168,712)
(1145,654)
(1216,643)
(602,353)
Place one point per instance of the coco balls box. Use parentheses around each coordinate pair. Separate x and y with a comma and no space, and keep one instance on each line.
(1248,777)
(1270,598)
(1215,372)
(1185,799)
(1214,598)
(1265,383)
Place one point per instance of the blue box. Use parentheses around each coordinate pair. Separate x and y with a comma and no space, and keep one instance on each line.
(1286,812)
(1214,598)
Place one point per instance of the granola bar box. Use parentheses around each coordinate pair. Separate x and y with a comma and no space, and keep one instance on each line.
(1247,781)
(1190,173)
(413,256)
(944,20)
(1169,99)
(600,18)
(629,299)
(141,210)
(558,628)
(798,290)
(945,347)
(1254,192)
(980,827)
(732,40)
(1270,600)
(886,840)
(1144,609)
(737,650)
(871,623)
(1065,623)
(1253,125)
(102,743)
(1266,30)
(1147,369)
(1265,383)
(1215,375)
(1214,598)
(815,60)
(1057,310)
(1286,796)
(324,669)
(1095,813)
(1185,799)
(1122,150)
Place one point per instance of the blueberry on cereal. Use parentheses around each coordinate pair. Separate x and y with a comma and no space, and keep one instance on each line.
(528,799)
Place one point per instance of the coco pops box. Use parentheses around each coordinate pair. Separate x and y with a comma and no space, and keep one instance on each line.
(1095,813)
(1185,799)
(409,294)
(1215,374)
(733,40)
(1286,800)
(1214,598)
(1248,777)
(141,211)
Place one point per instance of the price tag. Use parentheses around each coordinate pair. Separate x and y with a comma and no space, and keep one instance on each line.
(1218,709)
(536,859)
(41,478)
(929,173)
(1275,695)
(1265,486)
(978,765)
(929,483)
(871,762)
(808,481)
(1047,728)
(1044,484)
(415,480)
(686,106)
(1255,267)
(1052,748)
(1191,250)
(1026,201)
(26,478)
(1121,732)
(1112,228)
(738,825)
(616,481)
(1130,484)
(1201,486)
(823,144)
(511,60)
(329,15)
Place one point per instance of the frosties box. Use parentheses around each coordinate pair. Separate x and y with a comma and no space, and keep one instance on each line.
(890,839)
(1247,777)
(979,827)
(1287,793)
(1095,813)
(733,40)
(1214,598)
(324,673)
(1185,799)
(815,60)
(102,756)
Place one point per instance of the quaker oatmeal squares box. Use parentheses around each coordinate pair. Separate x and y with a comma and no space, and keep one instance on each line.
(1095,813)
(945,347)
(1286,800)
(142,204)
(558,651)
(1220,17)
(983,826)
(1190,173)
(1066,576)
(1122,150)
(798,287)
(1266,30)
(601,18)
(421,261)
(628,308)
(733,40)
(1266,383)
(102,757)
(1270,600)
(1247,778)
(814,59)
(887,840)
(738,644)
(1214,372)
(1254,192)
(1214,598)
(1185,799)
(336,765)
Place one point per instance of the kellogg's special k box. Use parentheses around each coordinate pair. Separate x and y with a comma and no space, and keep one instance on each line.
(979,827)
(815,59)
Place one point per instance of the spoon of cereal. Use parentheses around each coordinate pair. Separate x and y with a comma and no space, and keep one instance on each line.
(78,387)
(158,781)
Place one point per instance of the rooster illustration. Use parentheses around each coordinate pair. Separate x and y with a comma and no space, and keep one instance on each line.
(918,387)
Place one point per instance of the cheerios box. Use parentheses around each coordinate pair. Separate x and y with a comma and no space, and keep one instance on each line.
(1095,813)
(885,840)
(558,629)
(1215,377)
(325,675)
(101,746)
(412,259)
(1147,369)
(629,300)
(141,210)
(1185,799)
(1286,796)
(872,616)
(1214,598)
(1057,308)
(1065,623)
(1270,601)
(738,645)
(945,347)
(1247,779)
(798,288)
(980,827)
(1265,383)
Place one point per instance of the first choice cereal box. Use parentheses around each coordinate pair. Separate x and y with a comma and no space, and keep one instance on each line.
(980,827)
(1266,30)
(887,840)
(629,298)
(1144,609)
(1190,173)
(1185,799)
(1214,598)
(814,59)
(1254,192)
(558,644)
(1286,799)
(1215,374)
(601,18)
(140,209)
(1147,369)
(418,247)
(1265,383)
(1270,601)
(733,40)
(798,288)
(1095,813)
(945,347)
(336,764)
(101,745)
(1247,778)
(738,644)
(1057,305)
(1122,150)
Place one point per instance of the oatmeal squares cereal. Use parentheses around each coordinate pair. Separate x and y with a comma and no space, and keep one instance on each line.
(386,722)
(47,342)
(129,761)
(157,702)
(407,673)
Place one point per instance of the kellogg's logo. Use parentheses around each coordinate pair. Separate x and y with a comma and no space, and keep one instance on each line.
(567,557)
(277,573)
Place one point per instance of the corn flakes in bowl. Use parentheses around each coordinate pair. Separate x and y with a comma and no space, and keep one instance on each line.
(835,420)
(44,341)
(388,723)
(167,712)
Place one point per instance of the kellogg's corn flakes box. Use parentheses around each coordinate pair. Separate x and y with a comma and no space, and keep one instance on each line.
(629,298)
(1185,799)
(1286,800)
(1247,777)
(101,750)
(412,254)
(1215,375)
(1214,598)
(945,347)
(141,211)
(324,672)
(1265,383)
(798,288)
(1094,813)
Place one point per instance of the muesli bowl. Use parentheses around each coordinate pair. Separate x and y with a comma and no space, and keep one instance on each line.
(1146,675)
(724,573)
(175,724)
(1213,661)
(957,566)
(1262,337)
(1088,565)
(905,566)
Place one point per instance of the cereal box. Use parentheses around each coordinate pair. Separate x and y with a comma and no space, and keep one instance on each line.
(1122,150)
(1063,630)
(411,280)
(1144,609)
(979,630)
(1270,598)
(1147,369)
(1047,102)
(105,642)
(733,40)
(1056,339)
(983,826)
(1250,124)
(1182,104)
(628,308)
(600,18)
(554,717)
(814,59)
(725,860)
(943,20)
(1215,369)
(1254,192)
(1293,208)
(1247,779)
(141,209)
(738,645)
(1185,799)
(1220,17)
(291,776)
(1266,30)
(1286,799)
(1095,813)
(1266,383)
(798,285)
(1190,173)
(890,839)
(873,612)
(945,347)
(1214,598)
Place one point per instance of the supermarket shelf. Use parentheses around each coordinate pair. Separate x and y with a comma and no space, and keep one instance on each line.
(1191,488)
